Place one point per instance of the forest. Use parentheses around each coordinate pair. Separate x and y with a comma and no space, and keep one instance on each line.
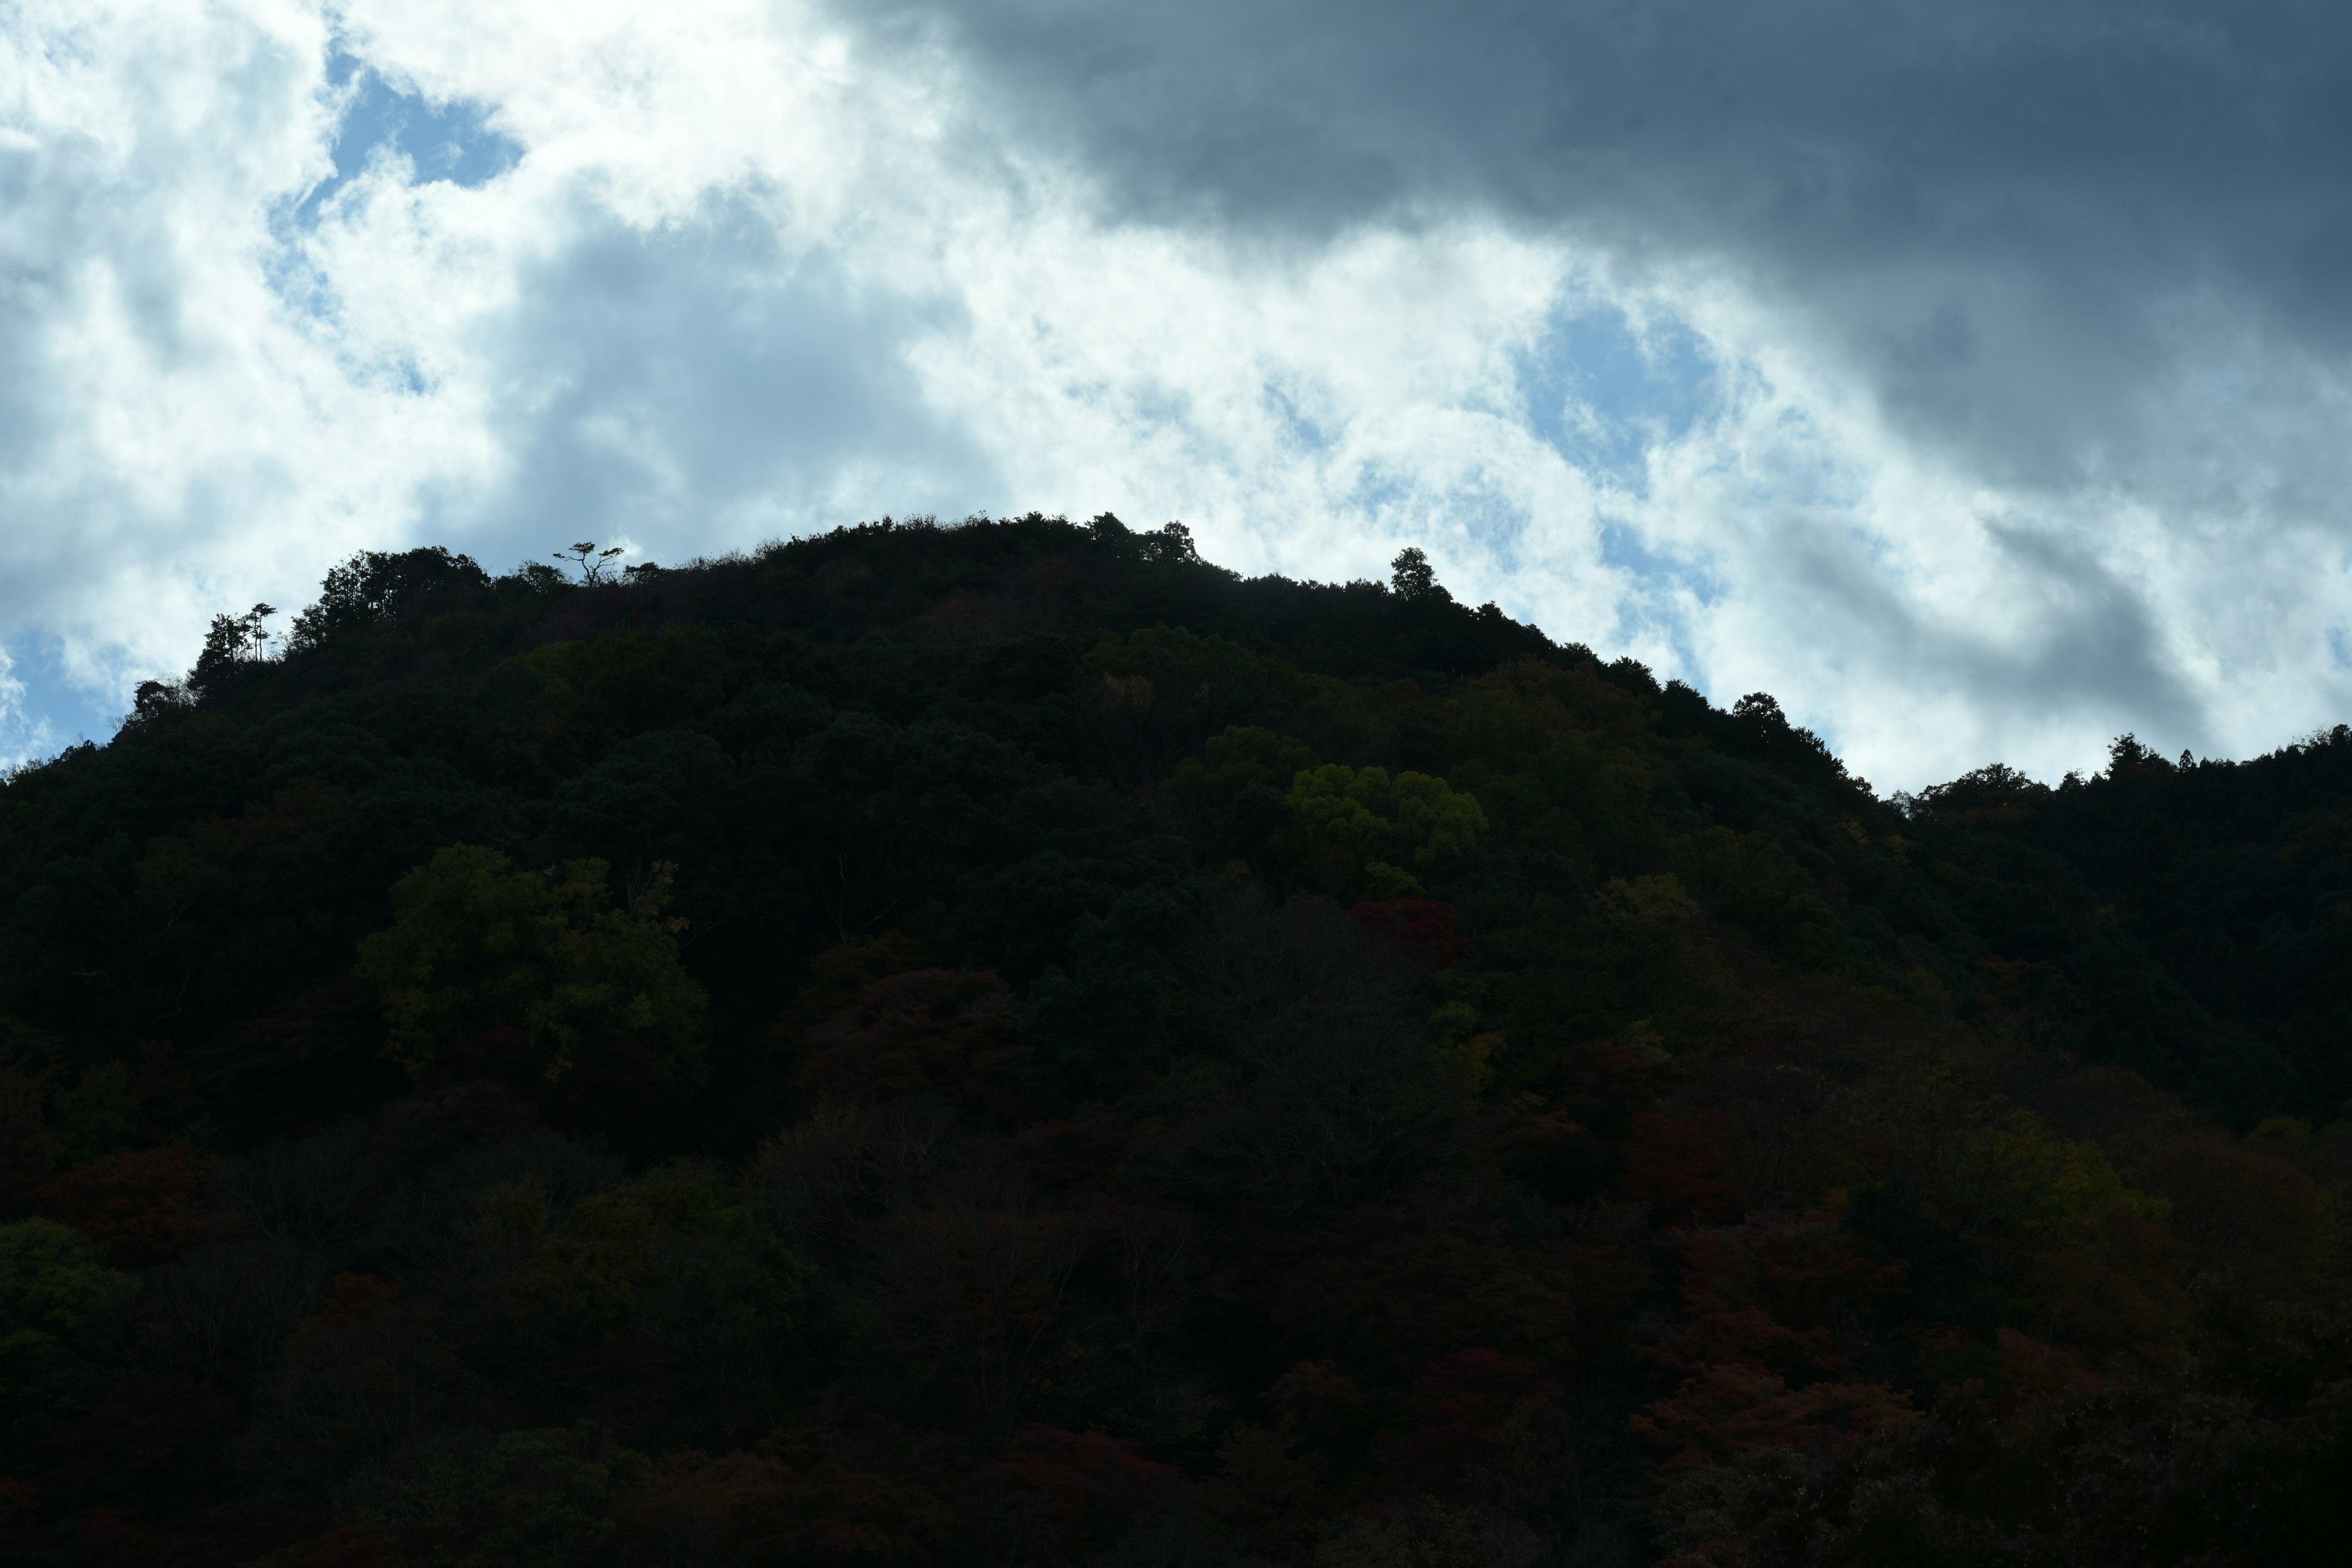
(1007,1043)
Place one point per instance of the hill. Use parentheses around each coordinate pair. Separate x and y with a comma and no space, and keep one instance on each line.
(1009,1043)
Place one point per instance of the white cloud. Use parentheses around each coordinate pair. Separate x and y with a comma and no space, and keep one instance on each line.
(743,276)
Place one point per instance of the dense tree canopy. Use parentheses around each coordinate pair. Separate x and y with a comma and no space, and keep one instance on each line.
(1010,1044)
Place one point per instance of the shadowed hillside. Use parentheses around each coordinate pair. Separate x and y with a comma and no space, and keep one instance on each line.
(1010,1044)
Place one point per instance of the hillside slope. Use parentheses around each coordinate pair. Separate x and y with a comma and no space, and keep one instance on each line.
(1009,1043)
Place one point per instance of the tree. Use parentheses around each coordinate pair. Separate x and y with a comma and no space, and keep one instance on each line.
(149,1446)
(1387,1301)
(2128,756)
(29,1071)
(536,971)
(1485,1424)
(65,1320)
(99,1115)
(155,700)
(356,1381)
(142,1208)
(593,563)
(378,585)
(529,1500)
(1069,1494)
(1171,543)
(822,1500)
(233,642)
(1410,575)
(1361,828)
(931,1031)
(668,1255)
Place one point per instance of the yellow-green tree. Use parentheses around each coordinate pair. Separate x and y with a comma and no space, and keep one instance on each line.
(1362,828)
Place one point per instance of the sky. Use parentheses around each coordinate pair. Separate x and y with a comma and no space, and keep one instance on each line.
(1976,376)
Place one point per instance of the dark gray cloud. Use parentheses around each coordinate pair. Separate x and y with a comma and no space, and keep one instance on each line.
(1994,206)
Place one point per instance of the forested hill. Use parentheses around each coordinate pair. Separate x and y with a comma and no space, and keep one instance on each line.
(1010,1044)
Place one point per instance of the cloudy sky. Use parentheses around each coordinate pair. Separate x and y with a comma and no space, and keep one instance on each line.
(1975,375)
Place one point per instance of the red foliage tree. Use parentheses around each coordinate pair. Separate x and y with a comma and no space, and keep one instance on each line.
(142,1207)
(1332,1411)
(931,1031)
(864,1499)
(1760,1301)
(1488,1426)
(1061,1494)
(1423,927)
(1384,1304)
(350,1297)
(972,1292)
(1675,1163)
(1727,1411)
(1765,1294)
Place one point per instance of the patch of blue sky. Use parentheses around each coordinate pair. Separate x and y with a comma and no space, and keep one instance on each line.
(1659,578)
(453,141)
(1302,430)
(1379,492)
(1605,391)
(1491,525)
(2340,648)
(1665,587)
(47,711)
(1164,406)
(1502,529)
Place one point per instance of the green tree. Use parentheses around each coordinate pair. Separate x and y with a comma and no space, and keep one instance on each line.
(64,1321)
(99,1115)
(374,587)
(233,641)
(531,1497)
(1410,575)
(478,948)
(669,1252)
